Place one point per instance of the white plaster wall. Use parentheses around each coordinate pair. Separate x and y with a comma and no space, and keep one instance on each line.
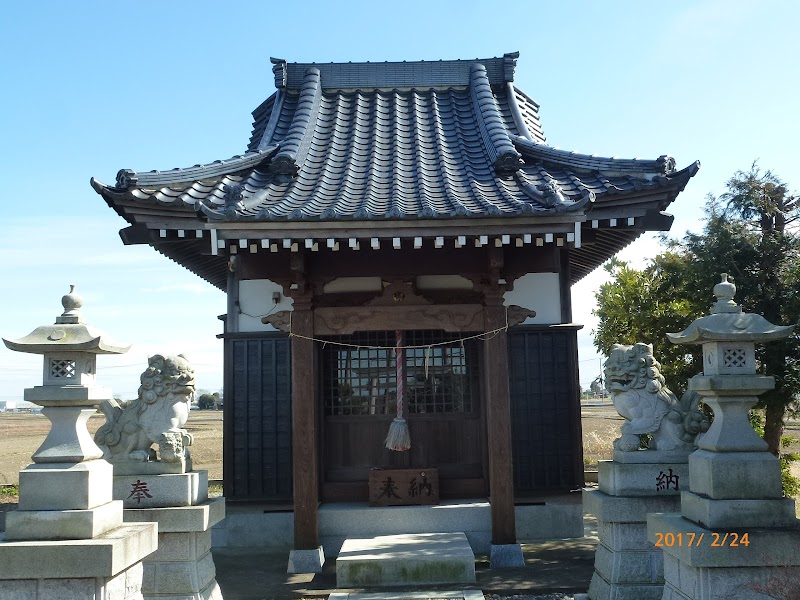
(353,284)
(540,292)
(443,282)
(255,299)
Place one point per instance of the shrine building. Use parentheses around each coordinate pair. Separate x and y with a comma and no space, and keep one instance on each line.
(400,204)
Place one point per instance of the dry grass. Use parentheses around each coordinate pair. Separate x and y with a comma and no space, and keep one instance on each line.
(600,428)
(21,434)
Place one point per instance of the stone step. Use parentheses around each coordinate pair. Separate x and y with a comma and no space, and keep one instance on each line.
(432,595)
(409,559)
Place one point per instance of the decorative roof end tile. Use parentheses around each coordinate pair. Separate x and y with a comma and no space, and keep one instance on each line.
(510,64)
(279,69)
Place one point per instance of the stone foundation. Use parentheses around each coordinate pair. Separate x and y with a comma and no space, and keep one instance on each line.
(560,517)
(182,568)
(627,566)
(126,585)
(714,569)
(106,567)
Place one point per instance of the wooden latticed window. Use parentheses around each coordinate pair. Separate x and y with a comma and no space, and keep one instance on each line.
(360,378)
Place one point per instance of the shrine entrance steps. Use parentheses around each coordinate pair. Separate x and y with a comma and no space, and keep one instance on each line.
(405,560)
(433,595)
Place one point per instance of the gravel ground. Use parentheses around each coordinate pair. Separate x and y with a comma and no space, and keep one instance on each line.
(545,597)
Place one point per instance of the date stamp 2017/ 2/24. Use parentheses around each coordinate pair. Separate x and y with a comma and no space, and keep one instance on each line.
(731,539)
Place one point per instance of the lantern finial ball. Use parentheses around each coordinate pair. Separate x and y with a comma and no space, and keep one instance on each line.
(725,291)
(72,304)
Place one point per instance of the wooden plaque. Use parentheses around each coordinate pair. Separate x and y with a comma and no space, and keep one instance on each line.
(403,487)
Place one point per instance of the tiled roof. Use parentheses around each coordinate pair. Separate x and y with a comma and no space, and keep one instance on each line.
(370,142)
(470,149)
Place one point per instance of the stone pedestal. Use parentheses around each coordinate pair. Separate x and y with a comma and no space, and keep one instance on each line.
(182,568)
(627,566)
(157,491)
(108,566)
(745,563)
(735,536)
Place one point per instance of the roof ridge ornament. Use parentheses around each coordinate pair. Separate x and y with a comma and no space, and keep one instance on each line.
(549,196)
(510,64)
(504,157)
(298,139)
(667,164)
(126,178)
(279,70)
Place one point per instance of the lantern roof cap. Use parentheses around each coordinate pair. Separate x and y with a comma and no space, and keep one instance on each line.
(69,334)
(727,322)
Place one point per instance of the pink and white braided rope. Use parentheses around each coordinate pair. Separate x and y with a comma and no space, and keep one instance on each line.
(400,372)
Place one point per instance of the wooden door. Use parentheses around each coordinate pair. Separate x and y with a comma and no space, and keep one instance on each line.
(444,411)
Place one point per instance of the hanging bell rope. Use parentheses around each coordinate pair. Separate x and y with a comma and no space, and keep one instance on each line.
(398,438)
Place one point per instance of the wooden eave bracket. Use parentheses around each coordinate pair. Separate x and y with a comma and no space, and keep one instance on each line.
(655,220)
(135,235)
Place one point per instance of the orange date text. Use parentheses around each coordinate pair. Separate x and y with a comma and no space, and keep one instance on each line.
(731,539)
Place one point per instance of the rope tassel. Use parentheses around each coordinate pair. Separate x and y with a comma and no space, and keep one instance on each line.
(399,438)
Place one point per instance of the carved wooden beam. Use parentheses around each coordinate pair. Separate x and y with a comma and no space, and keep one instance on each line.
(455,318)
(399,293)
(451,317)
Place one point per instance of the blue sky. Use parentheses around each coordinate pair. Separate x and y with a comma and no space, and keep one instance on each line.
(92,87)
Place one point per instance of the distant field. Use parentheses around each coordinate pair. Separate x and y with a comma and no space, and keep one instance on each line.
(21,434)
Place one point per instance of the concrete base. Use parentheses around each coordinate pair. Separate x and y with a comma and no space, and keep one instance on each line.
(624,509)
(627,566)
(63,524)
(126,585)
(104,557)
(735,475)
(157,491)
(642,479)
(306,561)
(44,486)
(152,468)
(182,568)
(600,589)
(717,566)
(662,457)
(505,556)
(396,560)
(735,514)
(180,518)
(557,518)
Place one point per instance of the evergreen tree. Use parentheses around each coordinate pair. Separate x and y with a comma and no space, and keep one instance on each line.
(751,233)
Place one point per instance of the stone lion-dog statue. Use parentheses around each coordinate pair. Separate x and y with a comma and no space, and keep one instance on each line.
(634,380)
(157,416)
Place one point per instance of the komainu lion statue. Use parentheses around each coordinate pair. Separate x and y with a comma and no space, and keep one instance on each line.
(157,416)
(634,379)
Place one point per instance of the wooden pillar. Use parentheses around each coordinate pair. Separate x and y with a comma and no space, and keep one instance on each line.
(304,428)
(498,415)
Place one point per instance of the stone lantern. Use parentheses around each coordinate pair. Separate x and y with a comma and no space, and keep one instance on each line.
(734,480)
(68,539)
(736,536)
(66,493)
